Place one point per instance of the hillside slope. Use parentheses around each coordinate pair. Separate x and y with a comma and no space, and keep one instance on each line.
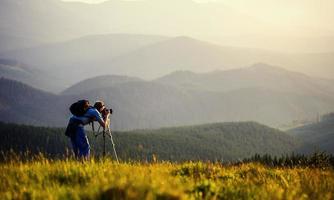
(21,103)
(318,136)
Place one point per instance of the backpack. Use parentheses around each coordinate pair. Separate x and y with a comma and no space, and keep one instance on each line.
(72,127)
(78,108)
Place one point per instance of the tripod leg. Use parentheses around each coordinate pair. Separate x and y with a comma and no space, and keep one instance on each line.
(104,144)
(98,131)
(113,144)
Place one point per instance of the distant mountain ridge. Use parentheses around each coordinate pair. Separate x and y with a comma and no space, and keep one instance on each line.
(66,63)
(16,70)
(259,75)
(150,56)
(98,83)
(186,53)
(152,104)
(87,49)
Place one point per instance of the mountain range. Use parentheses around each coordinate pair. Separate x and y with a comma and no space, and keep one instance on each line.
(70,42)
(259,75)
(263,93)
(149,57)
(66,63)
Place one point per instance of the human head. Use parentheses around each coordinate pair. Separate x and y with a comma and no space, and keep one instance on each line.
(99,105)
(85,104)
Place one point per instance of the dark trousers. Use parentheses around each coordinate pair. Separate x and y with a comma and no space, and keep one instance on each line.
(80,143)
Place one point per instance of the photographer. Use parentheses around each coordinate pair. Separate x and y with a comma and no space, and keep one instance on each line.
(79,138)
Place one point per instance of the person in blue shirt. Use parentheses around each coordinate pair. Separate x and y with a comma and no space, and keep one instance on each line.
(79,138)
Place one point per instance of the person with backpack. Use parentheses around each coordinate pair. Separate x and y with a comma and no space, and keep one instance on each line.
(83,114)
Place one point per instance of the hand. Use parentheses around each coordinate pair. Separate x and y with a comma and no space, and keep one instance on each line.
(106,116)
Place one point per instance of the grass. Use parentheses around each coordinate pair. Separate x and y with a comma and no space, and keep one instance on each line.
(105,179)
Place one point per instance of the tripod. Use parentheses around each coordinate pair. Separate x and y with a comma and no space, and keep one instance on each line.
(106,132)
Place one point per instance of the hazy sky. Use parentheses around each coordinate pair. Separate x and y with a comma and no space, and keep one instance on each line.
(309,13)
(88,1)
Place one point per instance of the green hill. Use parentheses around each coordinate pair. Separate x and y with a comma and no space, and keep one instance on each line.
(220,141)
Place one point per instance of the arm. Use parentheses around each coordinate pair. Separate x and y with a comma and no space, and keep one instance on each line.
(103,121)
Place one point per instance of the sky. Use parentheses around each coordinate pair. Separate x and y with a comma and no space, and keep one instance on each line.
(88,1)
(314,14)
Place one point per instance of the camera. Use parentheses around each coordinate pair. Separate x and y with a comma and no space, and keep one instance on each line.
(106,111)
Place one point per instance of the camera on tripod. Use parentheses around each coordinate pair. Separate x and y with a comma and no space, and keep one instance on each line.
(106,130)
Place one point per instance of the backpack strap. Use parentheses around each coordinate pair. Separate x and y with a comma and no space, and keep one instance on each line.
(93,127)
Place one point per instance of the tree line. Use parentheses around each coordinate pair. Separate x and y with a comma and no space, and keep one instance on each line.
(214,142)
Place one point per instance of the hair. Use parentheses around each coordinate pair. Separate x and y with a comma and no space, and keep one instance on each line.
(98,105)
(85,103)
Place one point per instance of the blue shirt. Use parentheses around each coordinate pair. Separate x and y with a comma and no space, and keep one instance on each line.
(91,115)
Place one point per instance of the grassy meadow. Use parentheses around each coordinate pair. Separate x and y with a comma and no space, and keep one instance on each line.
(105,179)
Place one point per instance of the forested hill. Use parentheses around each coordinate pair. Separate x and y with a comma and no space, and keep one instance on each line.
(220,141)
(317,136)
